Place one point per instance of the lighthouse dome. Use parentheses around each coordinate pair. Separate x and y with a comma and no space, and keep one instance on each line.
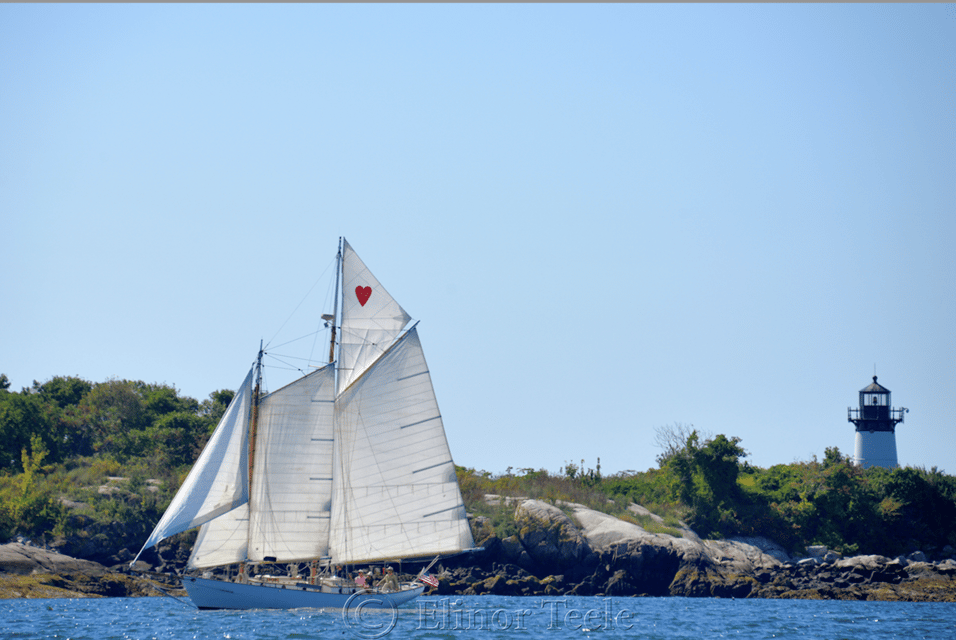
(874,387)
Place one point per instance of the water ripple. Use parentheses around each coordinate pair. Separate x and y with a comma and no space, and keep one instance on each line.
(490,618)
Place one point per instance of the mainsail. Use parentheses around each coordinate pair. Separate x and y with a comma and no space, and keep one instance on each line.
(395,492)
(354,467)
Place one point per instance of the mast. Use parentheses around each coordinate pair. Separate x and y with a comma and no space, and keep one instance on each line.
(335,310)
(254,419)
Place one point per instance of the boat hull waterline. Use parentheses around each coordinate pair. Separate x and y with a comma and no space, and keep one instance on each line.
(217,594)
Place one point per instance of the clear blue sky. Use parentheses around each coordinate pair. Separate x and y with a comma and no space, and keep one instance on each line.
(607,218)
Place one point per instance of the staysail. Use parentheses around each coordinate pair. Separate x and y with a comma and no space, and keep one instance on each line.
(217,483)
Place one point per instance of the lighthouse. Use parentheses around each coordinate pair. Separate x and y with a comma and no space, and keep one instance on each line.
(875,424)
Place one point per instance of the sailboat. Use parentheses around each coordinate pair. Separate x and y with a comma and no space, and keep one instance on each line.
(347,465)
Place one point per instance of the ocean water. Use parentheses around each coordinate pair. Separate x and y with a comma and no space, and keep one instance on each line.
(486,617)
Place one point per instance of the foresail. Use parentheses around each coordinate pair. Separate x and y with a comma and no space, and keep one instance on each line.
(395,492)
(218,482)
(371,318)
(292,475)
(222,541)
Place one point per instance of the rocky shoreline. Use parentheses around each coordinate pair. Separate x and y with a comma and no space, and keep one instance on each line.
(28,571)
(559,550)
(573,550)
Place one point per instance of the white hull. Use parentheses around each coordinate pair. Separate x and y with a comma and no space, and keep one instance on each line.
(218,594)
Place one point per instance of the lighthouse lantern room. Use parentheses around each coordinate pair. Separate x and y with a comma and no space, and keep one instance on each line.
(875,422)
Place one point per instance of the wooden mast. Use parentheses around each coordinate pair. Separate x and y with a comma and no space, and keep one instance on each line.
(253,420)
(255,416)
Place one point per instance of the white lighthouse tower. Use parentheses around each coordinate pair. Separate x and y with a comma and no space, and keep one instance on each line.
(875,424)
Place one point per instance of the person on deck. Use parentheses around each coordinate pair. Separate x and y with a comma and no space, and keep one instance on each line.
(360,580)
(389,582)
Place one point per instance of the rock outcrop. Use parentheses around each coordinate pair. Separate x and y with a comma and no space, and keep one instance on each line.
(548,536)
(574,550)
(27,571)
(23,559)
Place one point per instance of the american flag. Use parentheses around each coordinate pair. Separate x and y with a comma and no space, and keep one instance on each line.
(427,578)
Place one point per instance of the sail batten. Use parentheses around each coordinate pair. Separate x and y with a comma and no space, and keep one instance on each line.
(295,439)
(379,500)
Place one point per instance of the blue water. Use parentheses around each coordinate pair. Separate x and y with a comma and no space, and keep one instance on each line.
(433,618)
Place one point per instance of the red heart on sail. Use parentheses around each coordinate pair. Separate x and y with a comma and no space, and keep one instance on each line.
(363,294)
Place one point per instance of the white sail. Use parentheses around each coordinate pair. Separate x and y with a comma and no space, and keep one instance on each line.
(218,482)
(291,482)
(349,462)
(371,319)
(395,492)
(222,541)
(292,471)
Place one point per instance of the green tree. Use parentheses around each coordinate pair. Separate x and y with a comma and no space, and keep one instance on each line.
(832,456)
(109,413)
(63,391)
(22,415)
(182,435)
(159,400)
(33,507)
(704,477)
(213,408)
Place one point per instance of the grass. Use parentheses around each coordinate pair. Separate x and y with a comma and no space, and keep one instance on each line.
(560,491)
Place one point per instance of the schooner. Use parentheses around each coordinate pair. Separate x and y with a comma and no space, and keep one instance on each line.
(349,464)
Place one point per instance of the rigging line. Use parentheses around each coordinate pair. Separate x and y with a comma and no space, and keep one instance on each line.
(288,342)
(163,591)
(289,357)
(314,284)
(332,297)
(288,366)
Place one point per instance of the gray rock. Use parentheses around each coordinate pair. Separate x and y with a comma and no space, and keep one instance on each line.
(495,500)
(24,559)
(921,569)
(641,511)
(607,534)
(766,546)
(832,556)
(549,536)
(869,563)
(512,549)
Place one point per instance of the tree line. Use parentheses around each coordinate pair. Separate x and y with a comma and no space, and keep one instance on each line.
(77,455)
(124,419)
(60,440)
